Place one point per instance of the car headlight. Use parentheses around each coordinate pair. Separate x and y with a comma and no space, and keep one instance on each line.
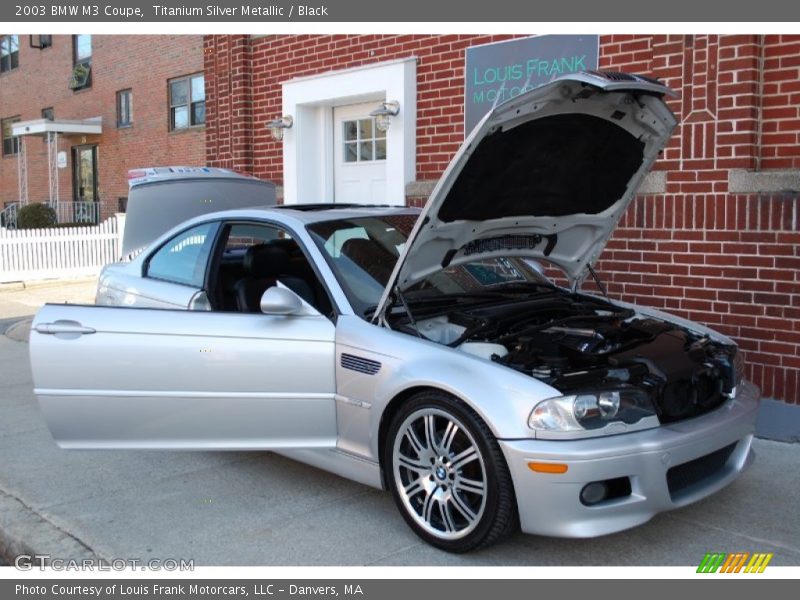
(594,413)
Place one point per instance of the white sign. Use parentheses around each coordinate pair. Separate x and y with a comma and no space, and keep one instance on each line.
(61,160)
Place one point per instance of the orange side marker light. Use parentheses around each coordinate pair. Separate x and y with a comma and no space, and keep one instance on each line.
(554,468)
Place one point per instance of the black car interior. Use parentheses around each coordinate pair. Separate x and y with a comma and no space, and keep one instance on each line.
(370,256)
(246,271)
(264,265)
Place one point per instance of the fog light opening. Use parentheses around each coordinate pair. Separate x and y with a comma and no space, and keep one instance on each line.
(594,492)
(601,491)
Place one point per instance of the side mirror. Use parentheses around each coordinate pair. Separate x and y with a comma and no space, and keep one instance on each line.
(200,301)
(280,301)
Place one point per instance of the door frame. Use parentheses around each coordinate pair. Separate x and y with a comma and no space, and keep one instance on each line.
(307,145)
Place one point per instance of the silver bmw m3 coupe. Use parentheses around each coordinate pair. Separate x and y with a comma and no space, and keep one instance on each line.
(425,352)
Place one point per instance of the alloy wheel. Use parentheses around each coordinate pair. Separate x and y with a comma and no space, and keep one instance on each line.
(440,473)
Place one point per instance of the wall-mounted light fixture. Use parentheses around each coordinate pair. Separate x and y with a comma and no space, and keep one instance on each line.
(278,126)
(384,113)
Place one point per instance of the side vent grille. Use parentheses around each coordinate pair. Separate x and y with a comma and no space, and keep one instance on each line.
(359,364)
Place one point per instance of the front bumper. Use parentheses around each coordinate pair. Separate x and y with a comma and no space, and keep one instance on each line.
(549,504)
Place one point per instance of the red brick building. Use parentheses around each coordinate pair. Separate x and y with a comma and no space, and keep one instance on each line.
(116,102)
(714,236)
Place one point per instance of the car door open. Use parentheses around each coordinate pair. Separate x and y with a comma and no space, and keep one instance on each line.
(147,378)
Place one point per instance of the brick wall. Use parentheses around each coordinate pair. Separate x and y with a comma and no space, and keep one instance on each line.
(142,63)
(780,135)
(700,249)
(701,246)
(275,59)
(229,95)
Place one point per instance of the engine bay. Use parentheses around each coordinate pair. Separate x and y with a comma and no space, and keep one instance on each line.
(576,342)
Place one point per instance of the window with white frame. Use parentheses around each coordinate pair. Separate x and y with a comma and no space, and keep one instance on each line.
(363,141)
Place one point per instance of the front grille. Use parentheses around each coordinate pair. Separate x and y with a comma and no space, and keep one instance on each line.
(681,477)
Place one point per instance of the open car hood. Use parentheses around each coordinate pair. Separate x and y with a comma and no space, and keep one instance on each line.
(545,175)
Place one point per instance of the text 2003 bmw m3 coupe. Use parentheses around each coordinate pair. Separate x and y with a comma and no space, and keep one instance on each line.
(425,352)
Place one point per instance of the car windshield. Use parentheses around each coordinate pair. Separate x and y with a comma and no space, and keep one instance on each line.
(362,253)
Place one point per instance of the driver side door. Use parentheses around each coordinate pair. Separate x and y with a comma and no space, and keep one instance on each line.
(128,377)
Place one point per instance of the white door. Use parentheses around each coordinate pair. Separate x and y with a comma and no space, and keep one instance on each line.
(359,156)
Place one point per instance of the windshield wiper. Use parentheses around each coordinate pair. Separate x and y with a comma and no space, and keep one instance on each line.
(526,285)
(445,298)
(455,296)
(369,312)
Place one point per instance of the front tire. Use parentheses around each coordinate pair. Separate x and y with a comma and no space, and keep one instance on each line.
(447,474)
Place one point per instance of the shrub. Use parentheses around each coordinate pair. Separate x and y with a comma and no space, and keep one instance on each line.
(35,216)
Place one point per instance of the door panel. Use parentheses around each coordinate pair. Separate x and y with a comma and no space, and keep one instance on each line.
(181,379)
(359,155)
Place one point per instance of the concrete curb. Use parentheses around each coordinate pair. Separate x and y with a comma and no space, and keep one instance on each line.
(23,531)
(12,286)
(778,421)
(18,286)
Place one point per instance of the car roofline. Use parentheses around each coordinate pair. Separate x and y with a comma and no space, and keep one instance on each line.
(324,206)
(332,209)
(308,214)
(298,215)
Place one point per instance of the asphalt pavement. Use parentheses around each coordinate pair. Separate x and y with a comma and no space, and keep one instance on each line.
(258,508)
(19,301)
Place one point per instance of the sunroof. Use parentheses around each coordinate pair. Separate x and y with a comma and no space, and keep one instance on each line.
(329,206)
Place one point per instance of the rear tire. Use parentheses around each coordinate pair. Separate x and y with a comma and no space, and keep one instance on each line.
(448,475)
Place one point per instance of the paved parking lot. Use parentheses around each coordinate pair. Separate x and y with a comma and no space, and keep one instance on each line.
(19,301)
(258,508)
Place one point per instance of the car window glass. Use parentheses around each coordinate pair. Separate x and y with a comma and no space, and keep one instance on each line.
(334,244)
(256,256)
(244,235)
(482,274)
(362,252)
(184,258)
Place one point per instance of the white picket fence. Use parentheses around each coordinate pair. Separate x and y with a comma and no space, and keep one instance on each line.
(31,254)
